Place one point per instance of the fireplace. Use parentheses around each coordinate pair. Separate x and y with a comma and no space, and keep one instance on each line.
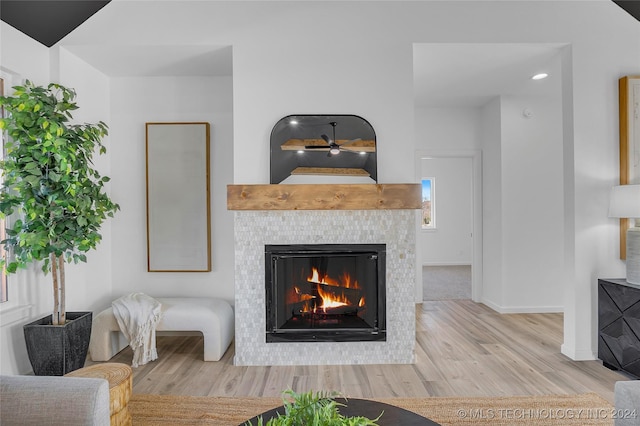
(254,230)
(325,292)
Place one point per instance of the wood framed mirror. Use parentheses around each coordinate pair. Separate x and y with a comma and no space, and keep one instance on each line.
(629,99)
(178,199)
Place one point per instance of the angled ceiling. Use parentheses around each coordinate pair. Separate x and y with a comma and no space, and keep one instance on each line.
(471,74)
(154,61)
(49,21)
(445,75)
(631,6)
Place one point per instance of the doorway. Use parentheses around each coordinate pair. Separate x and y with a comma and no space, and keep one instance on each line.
(446,282)
(450,249)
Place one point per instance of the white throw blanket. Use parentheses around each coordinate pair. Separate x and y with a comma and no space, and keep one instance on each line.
(138,315)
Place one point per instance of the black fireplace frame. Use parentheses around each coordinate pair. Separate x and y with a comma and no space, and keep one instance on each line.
(377,332)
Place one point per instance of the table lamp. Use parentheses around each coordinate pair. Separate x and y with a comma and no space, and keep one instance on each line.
(625,203)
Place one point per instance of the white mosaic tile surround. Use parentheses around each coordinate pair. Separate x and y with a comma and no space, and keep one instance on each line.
(254,229)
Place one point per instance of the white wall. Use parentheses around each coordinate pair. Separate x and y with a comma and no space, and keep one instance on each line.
(135,101)
(447,129)
(449,243)
(492,249)
(89,285)
(23,56)
(532,210)
(523,204)
(361,62)
(330,72)
(29,290)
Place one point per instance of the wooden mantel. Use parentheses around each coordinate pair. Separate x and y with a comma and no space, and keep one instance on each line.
(369,196)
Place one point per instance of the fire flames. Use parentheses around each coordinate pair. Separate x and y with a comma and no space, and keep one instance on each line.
(330,300)
(345,280)
(326,299)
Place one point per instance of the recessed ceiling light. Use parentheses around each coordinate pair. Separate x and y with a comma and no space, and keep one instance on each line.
(301,151)
(540,76)
(362,152)
(293,122)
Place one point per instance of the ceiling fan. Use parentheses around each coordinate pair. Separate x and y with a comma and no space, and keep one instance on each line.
(334,147)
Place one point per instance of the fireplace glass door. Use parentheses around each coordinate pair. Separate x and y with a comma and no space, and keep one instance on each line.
(327,292)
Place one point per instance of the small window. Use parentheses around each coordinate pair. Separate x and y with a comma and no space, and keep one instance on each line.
(428,204)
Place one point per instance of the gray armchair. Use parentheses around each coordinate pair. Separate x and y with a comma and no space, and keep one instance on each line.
(53,400)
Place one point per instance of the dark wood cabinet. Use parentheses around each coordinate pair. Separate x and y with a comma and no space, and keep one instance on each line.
(619,325)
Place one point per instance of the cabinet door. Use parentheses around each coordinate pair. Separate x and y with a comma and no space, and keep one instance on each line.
(619,326)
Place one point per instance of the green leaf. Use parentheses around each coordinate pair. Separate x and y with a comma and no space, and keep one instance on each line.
(309,409)
(32,180)
(50,181)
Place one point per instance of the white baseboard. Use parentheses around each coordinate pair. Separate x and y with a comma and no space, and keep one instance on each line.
(178,333)
(578,355)
(523,309)
(447,264)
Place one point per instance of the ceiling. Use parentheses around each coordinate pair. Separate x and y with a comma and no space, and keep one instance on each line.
(471,74)
(446,75)
(631,6)
(153,61)
(49,21)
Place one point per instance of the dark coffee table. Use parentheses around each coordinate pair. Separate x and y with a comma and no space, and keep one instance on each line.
(392,416)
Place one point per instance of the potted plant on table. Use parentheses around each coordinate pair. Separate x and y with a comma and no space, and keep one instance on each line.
(57,205)
(312,409)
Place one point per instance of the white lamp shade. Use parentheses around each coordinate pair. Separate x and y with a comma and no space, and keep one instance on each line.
(625,201)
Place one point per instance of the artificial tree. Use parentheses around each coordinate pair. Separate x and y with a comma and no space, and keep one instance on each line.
(51,190)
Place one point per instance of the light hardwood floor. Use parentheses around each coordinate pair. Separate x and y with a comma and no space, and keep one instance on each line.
(462,349)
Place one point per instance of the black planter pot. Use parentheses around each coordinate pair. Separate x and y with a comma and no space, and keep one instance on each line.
(55,350)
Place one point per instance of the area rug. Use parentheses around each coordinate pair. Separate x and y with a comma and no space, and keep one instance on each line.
(542,410)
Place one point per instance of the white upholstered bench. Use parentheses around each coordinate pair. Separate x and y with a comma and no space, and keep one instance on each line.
(210,316)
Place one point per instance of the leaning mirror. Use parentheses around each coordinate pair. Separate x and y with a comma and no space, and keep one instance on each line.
(178,204)
(337,147)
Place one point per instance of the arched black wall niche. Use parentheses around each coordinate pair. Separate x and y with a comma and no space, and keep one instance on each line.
(293,133)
